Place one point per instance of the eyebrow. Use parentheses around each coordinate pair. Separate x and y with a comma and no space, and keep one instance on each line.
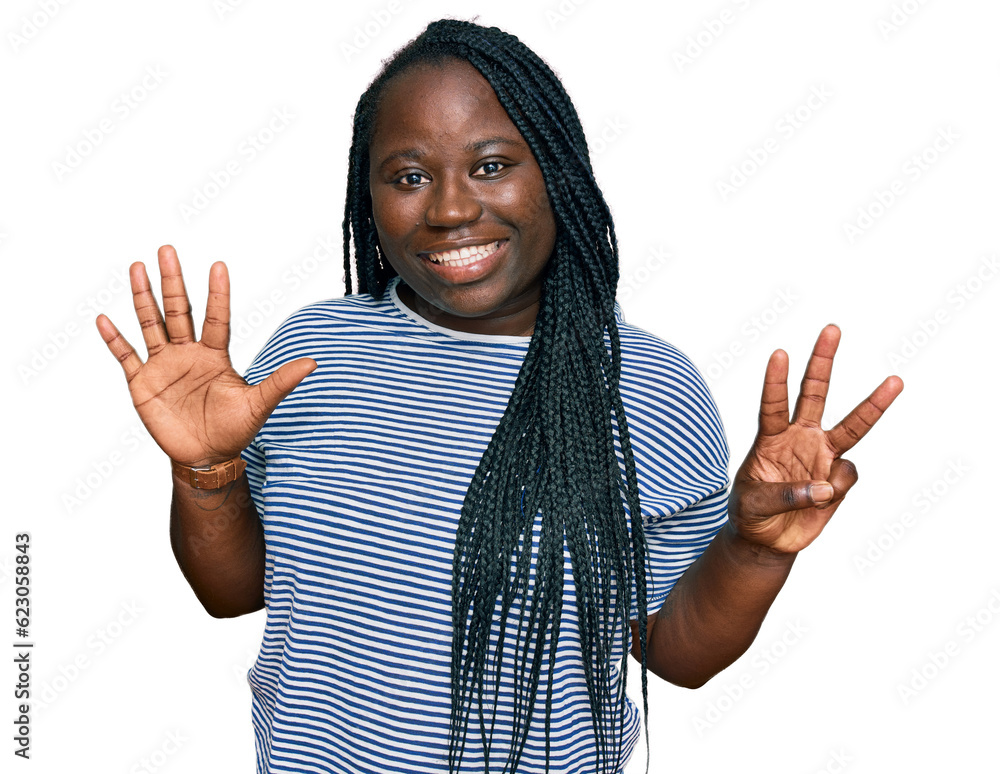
(472,147)
(481,144)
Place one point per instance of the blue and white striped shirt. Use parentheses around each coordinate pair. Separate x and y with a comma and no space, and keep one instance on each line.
(359,478)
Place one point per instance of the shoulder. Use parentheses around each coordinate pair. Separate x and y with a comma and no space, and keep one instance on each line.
(320,325)
(651,365)
(356,308)
(666,397)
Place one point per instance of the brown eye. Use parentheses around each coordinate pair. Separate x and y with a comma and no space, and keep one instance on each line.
(492,167)
(411,179)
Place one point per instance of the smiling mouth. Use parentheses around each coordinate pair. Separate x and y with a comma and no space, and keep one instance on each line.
(464,255)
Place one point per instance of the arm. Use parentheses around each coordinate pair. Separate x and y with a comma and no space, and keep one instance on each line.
(714,611)
(218,541)
(201,412)
(784,494)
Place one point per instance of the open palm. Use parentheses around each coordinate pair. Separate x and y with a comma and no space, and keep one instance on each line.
(794,477)
(198,409)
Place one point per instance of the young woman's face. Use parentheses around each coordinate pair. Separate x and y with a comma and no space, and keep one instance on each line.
(459,202)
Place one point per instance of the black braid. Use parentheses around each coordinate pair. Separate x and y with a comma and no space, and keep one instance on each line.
(553,452)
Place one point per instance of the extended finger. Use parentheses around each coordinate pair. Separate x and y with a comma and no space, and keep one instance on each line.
(769,498)
(276,387)
(215,331)
(123,351)
(856,425)
(816,381)
(153,331)
(176,307)
(773,417)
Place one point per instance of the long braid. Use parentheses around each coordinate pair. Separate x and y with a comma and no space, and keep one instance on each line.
(552,455)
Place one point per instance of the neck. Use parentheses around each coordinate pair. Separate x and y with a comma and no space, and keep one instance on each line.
(518,320)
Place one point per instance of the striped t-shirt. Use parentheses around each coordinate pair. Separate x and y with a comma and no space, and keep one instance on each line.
(359,478)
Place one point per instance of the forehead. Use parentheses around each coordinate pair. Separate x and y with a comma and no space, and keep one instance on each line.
(436,104)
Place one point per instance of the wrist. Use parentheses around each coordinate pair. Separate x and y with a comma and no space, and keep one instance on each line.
(746,551)
(212,477)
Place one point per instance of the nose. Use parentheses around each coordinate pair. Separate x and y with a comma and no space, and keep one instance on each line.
(453,202)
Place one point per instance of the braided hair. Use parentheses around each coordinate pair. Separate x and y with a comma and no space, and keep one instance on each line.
(552,457)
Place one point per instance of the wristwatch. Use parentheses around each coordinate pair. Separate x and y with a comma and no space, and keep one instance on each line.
(214,477)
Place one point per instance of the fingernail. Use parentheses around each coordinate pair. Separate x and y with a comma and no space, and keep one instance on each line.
(820,493)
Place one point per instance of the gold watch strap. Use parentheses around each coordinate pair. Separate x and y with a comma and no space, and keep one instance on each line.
(214,477)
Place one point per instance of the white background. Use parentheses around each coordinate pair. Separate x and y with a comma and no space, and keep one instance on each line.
(131,675)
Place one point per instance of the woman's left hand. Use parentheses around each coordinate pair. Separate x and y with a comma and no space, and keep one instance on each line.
(794,479)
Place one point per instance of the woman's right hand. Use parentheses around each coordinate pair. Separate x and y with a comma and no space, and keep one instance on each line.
(198,409)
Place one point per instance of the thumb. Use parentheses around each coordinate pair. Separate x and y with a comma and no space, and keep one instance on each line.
(843,475)
(276,387)
(766,498)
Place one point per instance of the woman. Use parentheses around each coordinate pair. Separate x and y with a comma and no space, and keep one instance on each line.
(464,480)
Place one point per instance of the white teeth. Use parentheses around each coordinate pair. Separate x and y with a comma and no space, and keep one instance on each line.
(464,256)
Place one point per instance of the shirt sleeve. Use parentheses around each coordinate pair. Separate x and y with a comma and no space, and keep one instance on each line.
(256,472)
(681,457)
(283,346)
